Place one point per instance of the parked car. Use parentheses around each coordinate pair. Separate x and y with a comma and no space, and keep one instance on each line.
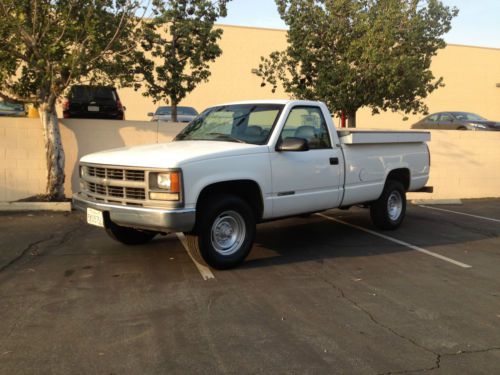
(456,121)
(12,109)
(243,163)
(184,114)
(98,102)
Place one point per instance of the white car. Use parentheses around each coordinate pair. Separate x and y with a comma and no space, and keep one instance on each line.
(184,114)
(243,163)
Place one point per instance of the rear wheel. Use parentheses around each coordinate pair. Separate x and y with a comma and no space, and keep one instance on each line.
(128,236)
(389,210)
(224,232)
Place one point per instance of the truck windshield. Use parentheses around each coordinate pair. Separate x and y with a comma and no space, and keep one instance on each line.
(245,123)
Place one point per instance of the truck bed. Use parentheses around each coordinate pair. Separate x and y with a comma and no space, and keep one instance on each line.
(351,137)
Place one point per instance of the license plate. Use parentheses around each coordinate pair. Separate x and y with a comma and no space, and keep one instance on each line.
(93,108)
(95,217)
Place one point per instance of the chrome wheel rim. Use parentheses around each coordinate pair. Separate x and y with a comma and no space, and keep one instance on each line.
(395,205)
(228,232)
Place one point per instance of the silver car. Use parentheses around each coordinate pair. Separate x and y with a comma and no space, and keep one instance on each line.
(12,109)
(184,114)
(456,121)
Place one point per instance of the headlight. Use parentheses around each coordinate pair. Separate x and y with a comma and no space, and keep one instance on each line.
(479,126)
(167,181)
(164,181)
(165,185)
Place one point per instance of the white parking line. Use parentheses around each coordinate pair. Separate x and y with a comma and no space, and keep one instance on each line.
(460,213)
(413,247)
(205,272)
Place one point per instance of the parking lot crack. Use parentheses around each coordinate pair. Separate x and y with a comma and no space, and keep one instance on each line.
(464,352)
(28,249)
(374,320)
(33,247)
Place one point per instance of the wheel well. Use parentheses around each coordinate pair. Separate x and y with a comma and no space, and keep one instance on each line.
(247,190)
(402,175)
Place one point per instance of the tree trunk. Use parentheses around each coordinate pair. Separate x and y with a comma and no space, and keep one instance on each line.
(54,152)
(351,119)
(173,116)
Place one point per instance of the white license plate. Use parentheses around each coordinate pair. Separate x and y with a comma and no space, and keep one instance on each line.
(93,108)
(95,217)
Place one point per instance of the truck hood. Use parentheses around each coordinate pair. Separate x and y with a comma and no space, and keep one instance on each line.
(171,155)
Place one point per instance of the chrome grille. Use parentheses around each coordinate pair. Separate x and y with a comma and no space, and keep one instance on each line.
(114,184)
(115,173)
(135,193)
(134,175)
(117,191)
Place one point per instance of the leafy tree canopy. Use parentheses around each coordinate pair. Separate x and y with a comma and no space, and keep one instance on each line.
(355,53)
(179,42)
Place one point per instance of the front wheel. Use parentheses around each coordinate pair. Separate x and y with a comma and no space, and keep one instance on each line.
(224,232)
(389,210)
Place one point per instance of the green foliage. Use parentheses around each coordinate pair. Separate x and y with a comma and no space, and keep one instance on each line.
(355,53)
(179,42)
(48,45)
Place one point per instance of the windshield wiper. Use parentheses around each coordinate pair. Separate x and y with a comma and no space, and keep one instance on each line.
(227,136)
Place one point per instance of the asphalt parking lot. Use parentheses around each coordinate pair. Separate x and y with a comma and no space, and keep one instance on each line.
(320,295)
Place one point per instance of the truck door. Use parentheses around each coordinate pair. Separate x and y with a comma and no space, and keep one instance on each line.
(306,181)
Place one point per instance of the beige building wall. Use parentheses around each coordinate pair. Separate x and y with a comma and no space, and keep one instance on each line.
(470,75)
(23,171)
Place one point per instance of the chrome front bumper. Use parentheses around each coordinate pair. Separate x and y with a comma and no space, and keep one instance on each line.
(175,220)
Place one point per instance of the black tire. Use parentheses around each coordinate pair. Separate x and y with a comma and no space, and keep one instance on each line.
(383,211)
(305,216)
(216,223)
(128,236)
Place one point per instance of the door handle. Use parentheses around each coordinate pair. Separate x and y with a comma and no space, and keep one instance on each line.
(334,161)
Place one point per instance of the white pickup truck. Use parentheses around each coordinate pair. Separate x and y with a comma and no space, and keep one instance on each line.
(243,163)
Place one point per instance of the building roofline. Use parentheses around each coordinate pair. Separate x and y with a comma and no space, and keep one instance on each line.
(250,27)
(281,30)
(472,46)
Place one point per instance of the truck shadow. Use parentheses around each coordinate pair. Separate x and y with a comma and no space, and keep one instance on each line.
(316,239)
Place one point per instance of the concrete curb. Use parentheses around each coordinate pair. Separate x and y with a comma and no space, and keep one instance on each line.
(436,201)
(35,206)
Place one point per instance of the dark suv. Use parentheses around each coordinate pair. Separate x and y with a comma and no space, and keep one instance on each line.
(99,102)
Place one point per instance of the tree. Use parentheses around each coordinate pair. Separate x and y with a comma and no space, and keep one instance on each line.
(47,45)
(355,53)
(179,42)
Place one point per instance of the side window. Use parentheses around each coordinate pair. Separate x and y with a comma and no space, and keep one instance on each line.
(260,123)
(445,117)
(432,118)
(307,123)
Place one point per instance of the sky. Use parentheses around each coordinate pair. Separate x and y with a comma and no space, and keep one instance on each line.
(477,24)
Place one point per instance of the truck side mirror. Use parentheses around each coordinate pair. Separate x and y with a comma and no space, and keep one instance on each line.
(150,114)
(293,144)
